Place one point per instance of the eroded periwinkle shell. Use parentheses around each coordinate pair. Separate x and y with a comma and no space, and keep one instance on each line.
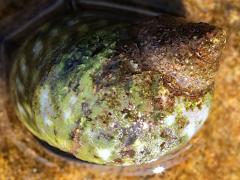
(117,93)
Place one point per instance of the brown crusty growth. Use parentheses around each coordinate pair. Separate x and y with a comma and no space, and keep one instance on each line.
(186,53)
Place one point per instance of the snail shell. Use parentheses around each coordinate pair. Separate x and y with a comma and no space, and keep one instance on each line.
(117,93)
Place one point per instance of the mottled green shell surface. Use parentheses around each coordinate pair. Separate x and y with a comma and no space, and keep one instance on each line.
(117,93)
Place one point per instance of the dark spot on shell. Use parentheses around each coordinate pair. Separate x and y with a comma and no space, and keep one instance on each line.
(165,104)
(73,85)
(75,133)
(131,134)
(75,136)
(55,132)
(167,133)
(128,113)
(162,145)
(70,64)
(86,109)
(128,153)
(118,160)
(98,49)
(78,122)
(95,156)
(182,122)
(105,136)
(130,139)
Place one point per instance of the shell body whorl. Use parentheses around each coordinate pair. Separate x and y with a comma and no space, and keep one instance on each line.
(117,93)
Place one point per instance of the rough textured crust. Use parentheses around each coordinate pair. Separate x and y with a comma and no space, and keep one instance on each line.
(186,53)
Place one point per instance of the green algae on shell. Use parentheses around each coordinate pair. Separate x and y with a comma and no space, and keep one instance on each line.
(117,93)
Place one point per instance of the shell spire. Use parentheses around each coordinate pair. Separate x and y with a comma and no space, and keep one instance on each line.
(186,53)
